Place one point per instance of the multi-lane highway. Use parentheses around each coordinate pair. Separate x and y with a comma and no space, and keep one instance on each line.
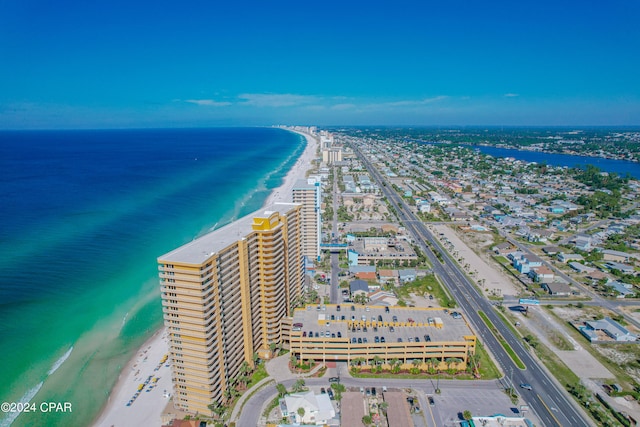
(552,405)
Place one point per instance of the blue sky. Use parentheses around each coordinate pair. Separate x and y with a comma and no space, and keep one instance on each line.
(104,64)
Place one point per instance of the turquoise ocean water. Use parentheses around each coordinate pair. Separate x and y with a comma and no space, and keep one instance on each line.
(83,217)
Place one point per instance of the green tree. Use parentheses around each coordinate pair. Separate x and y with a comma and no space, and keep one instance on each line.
(366,420)
(415,370)
(298,386)
(282,390)
(301,412)
(395,365)
(338,389)
(467,415)
(217,409)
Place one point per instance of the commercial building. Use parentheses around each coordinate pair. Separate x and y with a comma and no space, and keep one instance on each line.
(349,332)
(307,193)
(223,297)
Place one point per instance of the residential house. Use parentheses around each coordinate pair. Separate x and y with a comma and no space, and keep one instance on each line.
(408,275)
(318,409)
(551,250)
(542,274)
(504,248)
(562,257)
(526,262)
(388,275)
(358,287)
(580,268)
(600,330)
(557,289)
(539,235)
(583,243)
(623,289)
(617,256)
(624,268)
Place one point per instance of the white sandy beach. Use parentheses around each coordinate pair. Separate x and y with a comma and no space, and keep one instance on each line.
(298,171)
(127,406)
(146,409)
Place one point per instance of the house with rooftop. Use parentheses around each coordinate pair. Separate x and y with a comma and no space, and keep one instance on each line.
(583,243)
(526,262)
(580,268)
(616,256)
(388,275)
(318,409)
(408,275)
(624,268)
(623,289)
(542,274)
(562,257)
(606,329)
(358,287)
(557,289)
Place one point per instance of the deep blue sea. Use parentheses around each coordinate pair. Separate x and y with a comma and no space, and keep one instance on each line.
(83,217)
(621,167)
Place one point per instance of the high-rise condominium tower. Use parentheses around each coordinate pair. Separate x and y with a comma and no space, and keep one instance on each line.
(307,193)
(223,297)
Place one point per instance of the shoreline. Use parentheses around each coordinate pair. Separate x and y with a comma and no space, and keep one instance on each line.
(148,407)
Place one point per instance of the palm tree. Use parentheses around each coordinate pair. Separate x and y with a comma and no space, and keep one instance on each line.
(282,390)
(298,386)
(395,365)
(339,389)
(450,361)
(228,394)
(434,363)
(416,366)
(383,407)
(217,409)
(244,373)
(377,361)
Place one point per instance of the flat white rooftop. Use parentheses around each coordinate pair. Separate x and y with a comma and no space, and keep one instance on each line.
(200,249)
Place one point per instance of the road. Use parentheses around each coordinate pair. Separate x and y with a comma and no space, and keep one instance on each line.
(552,405)
(252,410)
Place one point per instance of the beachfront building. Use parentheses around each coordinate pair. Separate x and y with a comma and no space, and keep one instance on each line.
(307,193)
(332,155)
(366,335)
(223,297)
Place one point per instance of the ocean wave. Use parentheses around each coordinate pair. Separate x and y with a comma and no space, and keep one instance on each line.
(60,361)
(27,397)
(124,320)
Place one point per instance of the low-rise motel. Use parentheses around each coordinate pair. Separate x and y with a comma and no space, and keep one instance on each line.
(346,332)
(223,297)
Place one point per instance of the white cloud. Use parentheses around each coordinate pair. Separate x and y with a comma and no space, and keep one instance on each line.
(208,102)
(276,99)
(345,106)
(511,95)
(408,103)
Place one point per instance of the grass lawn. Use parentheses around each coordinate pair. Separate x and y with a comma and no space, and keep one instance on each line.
(502,341)
(423,287)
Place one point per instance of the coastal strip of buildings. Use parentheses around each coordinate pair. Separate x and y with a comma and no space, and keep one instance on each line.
(238,290)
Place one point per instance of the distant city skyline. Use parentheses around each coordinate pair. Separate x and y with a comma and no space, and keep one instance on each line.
(142,64)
